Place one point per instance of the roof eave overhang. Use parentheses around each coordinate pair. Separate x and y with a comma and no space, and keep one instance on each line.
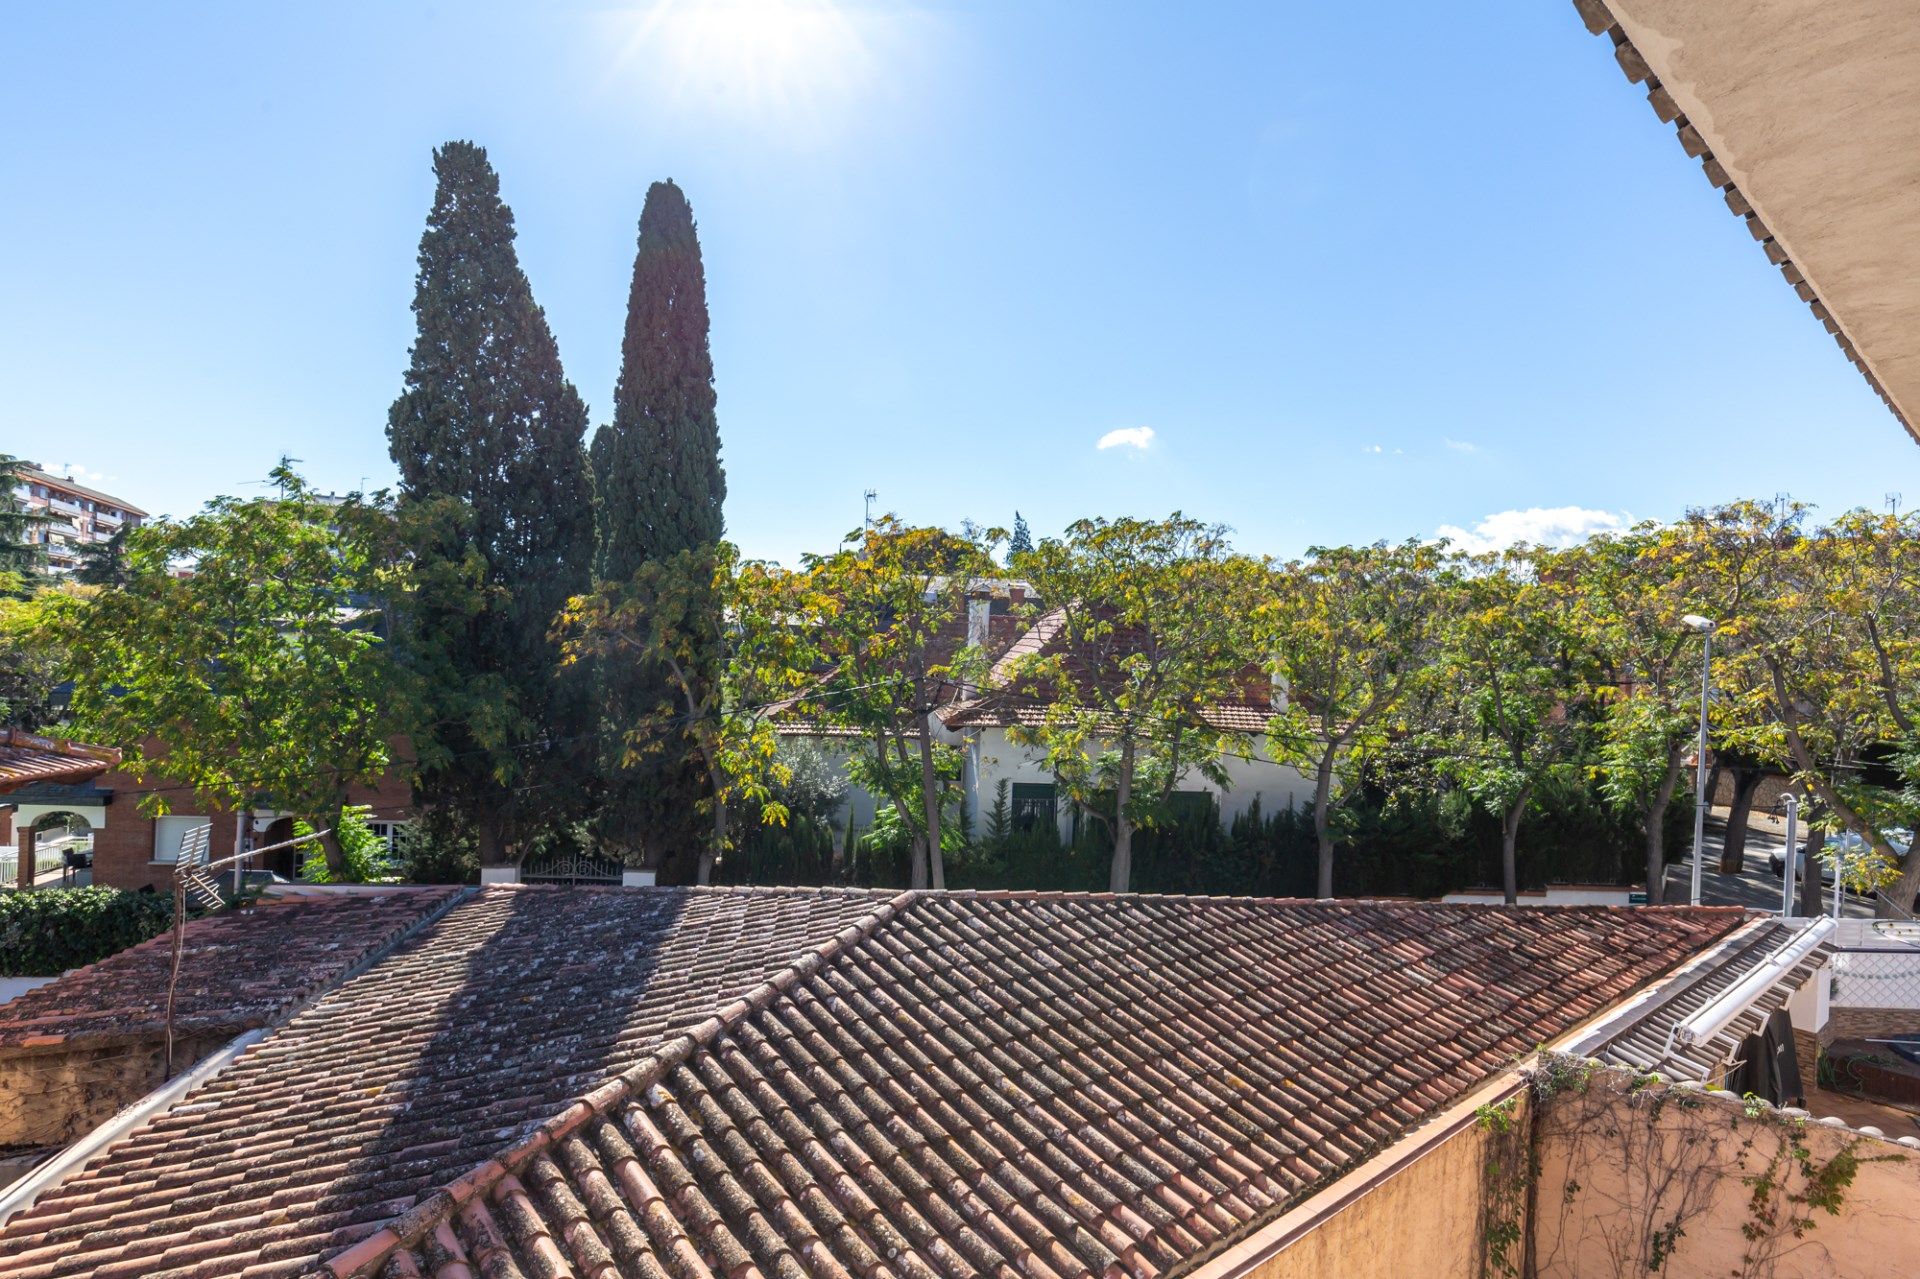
(1770,218)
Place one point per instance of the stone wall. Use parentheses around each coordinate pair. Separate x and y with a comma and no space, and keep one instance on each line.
(1871,1023)
(52,1097)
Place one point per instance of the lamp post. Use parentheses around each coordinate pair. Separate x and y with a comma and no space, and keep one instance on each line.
(1703,627)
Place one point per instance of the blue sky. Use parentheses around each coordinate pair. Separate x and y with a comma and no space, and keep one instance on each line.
(1350,271)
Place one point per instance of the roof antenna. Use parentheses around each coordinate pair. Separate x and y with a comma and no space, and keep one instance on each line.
(870,495)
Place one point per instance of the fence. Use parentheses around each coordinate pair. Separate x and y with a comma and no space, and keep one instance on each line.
(1876,979)
(49,868)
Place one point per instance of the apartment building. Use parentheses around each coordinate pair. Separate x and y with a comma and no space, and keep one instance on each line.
(76,516)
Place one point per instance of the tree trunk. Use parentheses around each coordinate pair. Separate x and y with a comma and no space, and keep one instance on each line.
(1322,807)
(1656,818)
(1122,873)
(930,799)
(330,842)
(492,845)
(1733,846)
(1904,889)
(1509,844)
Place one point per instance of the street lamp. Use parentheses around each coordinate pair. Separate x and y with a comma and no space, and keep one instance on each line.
(1703,627)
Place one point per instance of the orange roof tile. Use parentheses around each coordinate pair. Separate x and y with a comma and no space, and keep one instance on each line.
(679,1084)
(27,758)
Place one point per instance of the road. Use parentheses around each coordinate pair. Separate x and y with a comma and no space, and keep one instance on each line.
(1756,886)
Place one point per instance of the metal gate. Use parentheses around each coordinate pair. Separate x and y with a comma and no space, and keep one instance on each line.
(571,869)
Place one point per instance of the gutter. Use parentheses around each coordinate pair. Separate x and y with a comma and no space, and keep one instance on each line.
(24,1192)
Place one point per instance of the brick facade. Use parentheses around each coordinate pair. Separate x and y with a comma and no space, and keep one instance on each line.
(123,848)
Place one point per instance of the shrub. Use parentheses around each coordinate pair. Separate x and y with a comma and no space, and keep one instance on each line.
(365,852)
(433,849)
(45,932)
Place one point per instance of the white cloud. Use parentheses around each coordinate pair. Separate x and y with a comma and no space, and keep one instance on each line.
(1462,446)
(1369,448)
(1537,525)
(1127,437)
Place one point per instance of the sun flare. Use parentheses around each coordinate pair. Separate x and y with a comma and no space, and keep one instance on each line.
(768,61)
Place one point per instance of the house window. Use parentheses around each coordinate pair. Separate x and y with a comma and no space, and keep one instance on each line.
(389,832)
(1033,804)
(171,833)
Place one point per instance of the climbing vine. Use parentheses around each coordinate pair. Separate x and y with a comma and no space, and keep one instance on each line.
(1657,1158)
(1507,1177)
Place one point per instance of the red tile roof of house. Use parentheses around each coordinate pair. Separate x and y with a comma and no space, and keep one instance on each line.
(771,1085)
(239,969)
(1008,701)
(27,758)
(473,1030)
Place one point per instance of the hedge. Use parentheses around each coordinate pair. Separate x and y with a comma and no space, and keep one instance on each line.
(45,932)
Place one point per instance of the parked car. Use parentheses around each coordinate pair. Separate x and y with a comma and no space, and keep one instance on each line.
(1845,844)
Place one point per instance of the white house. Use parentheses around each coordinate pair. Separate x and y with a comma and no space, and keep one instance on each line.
(980,723)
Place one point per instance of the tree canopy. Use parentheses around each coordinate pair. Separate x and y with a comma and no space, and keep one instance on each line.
(659,489)
(243,657)
(487,436)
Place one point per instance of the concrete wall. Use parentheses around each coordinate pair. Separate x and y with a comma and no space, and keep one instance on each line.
(1690,1185)
(49,1097)
(1422,1217)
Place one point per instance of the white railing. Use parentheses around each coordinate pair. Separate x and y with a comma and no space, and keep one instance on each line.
(48,867)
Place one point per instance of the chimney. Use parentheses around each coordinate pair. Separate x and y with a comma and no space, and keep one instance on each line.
(1277,692)
(979,608)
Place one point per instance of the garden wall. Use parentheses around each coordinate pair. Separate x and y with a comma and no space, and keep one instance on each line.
(1639,1178)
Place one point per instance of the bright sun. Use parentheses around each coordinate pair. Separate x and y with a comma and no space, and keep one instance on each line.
(768,61)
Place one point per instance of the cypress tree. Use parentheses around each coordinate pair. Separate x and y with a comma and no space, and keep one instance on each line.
(488,437)
(1022,540)
(658,488)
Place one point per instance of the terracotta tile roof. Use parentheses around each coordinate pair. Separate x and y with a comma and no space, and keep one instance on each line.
(473,1030)
(929,1086)
(239,970)
(27,758)
(1008,702)
(995,711)
(38,475)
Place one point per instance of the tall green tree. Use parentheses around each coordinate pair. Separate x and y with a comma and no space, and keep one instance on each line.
(1504,701)
(1022,540)
(104,563)
(258,679)
(1818,658)
(18,522)
(659,489)
(488,438)
(1349,629)
(891,610)
(1631,591)
(1149,624)
(727,672)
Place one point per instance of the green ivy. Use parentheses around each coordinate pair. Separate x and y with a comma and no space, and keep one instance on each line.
(46,932)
